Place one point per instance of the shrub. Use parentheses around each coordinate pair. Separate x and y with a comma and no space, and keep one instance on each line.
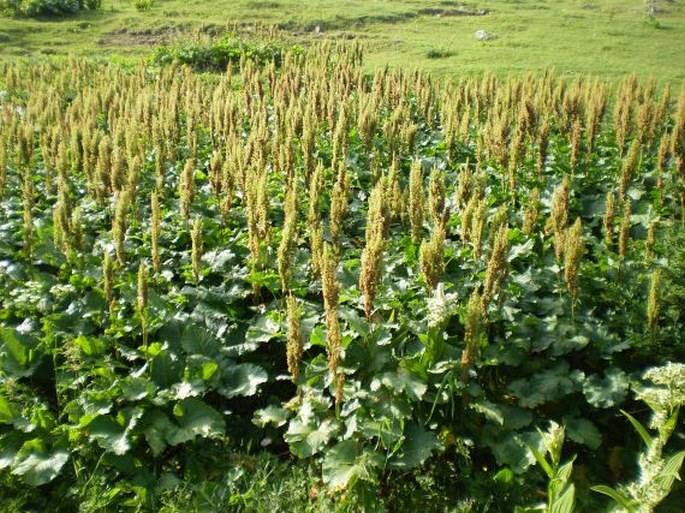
(216,55)
(439,53)
(144,5)
(36,8)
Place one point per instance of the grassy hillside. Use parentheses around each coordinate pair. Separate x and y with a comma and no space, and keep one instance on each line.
(601,37)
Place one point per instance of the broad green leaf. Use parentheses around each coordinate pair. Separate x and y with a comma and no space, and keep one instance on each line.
(241,380)
(110,435)
(263,329)
(186,389)
(196,418)
(346,463)
(416,448)
(565,470)
(542,461)
(608,391)
(20,358)
(540,508)
(504,476)
(90,346)
(519,250)
(7,411)
(271,415)
(165,369)
(404,381)
(197,340)
(639,428)
(10,445)
(515,417)
(565,503)
(157,427)
(618,497)
(38,469)
(510,448)
(548,385)
(307,439)
(17,345)
(136,389)
(218,260)
(209,369)
(670,472)
(582,431)
(490,410)
(387,430)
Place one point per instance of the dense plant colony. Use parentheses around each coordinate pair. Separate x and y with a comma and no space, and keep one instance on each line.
(372,270)
(36,8)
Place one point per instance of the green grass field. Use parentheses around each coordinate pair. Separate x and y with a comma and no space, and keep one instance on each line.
(607,38)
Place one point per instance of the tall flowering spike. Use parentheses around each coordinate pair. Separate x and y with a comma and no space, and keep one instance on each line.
(339,206)
(432,257)
(395,203)
(651,241)
(416,200)
(573,252)
(499,219)
(531,212)
(331,289)
(471,334)
(467,218)
(436,197)
(77,238)
(197,248)
(186,187)
(316,185)
(295,340)
(559,217)
(116,177)
(254,237)
(329,279)
(498,266)
(465,187)
(142,289)
(624,232)
(59,230)
(286,247)
(108,280)
(155,231)
(119,225)
(653,302)
(662,157)
(477,228)
(373,250)
(630,164)
(623,116)
(542,144)
(103,167)
(678,135)
(576,137)
(608,222)
(262,207)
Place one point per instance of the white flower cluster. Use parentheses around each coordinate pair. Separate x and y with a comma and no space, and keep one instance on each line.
(669,392)
(441,306)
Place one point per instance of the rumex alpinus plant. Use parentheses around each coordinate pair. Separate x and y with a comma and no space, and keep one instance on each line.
(182,254)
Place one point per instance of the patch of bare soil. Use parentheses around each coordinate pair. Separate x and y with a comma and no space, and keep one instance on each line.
(460,10)
(147,37)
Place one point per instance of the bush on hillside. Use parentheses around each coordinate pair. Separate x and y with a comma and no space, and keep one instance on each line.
(36,8)
(216,55)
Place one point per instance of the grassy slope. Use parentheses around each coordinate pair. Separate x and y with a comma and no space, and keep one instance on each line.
(601,37)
